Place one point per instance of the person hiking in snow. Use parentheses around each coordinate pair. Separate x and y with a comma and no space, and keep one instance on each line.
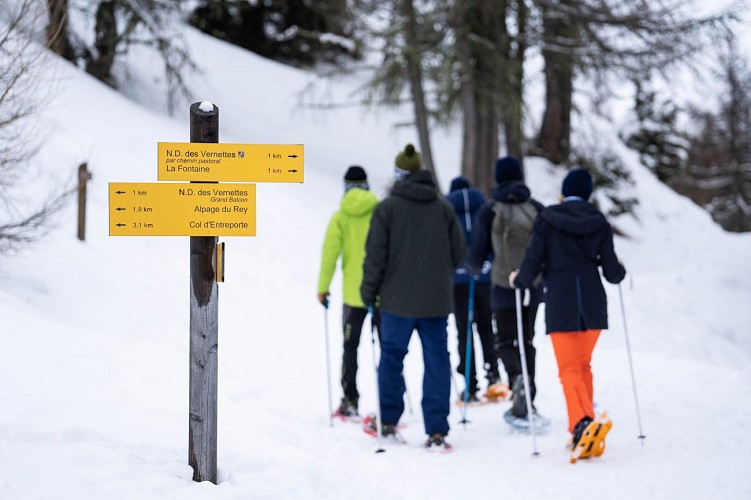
(504,223)
(466,201)
(413,247)
(345,237)
(570,242)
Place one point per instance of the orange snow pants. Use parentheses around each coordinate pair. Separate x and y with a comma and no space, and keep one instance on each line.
(573,352)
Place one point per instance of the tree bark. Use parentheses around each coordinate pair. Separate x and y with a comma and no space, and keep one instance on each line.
(481,26)
(57,29)
(554,140)
(100,63)
(416,87)
(513,93)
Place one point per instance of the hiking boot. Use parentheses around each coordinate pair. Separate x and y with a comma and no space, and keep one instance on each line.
(347,408)
(370,426)
(579,429)
(388,431)
(437,442)
(518,400)
(492,375)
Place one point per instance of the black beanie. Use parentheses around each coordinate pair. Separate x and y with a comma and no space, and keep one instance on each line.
(355,173)
(578,182)
(507,169)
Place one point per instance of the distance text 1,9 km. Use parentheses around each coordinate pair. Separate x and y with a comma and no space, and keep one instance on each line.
(156,209)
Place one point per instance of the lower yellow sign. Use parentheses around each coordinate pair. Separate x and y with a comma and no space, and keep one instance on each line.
(196,209)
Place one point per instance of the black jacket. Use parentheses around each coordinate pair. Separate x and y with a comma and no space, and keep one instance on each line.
(413,246)
(569,243)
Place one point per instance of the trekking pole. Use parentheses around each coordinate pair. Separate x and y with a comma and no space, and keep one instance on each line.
(525,377)
(379,424)
(328,361)
(468,354)
(631,367)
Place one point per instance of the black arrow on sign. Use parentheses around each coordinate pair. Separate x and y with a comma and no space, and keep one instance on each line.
(293,171)
(120,209)
(120,192)
(120,224)
(291,156)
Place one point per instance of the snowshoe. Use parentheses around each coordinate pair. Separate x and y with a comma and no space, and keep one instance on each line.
(497,392)
(437,444)
(347,412)
(592,440)
(353,418)
(388,432)
(523,424)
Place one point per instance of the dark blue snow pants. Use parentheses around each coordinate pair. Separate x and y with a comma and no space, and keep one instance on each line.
(396,332)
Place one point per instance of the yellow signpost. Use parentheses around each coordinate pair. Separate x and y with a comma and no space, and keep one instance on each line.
(193,161)
(198,209)
(204,209)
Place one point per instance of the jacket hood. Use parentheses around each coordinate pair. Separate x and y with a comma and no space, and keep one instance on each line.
(465,200)
(418,186)
(577,217)
(358,201)
(511,191)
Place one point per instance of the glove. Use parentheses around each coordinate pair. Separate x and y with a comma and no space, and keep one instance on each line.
(512,277)
(470,270)
(323,298)
(486,266)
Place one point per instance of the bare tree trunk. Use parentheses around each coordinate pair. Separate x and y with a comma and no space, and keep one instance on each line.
(554,141)
(416,87)
(57,29)
(480,145)
(99,64)
(555,132)
(513,97)
(481,57)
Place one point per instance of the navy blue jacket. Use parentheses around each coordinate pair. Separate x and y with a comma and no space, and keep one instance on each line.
(570,242)
(466,203)
(482,245)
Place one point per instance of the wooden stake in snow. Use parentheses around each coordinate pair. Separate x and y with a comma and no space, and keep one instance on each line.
(83,177)
(204,314)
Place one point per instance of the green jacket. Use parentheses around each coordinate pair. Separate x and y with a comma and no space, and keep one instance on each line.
(346,236)
(414,245)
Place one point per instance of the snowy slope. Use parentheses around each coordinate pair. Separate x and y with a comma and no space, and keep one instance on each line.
(94,377)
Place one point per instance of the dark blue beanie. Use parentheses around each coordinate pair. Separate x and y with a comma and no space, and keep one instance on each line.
(578,182)
(460,182)
(507,169)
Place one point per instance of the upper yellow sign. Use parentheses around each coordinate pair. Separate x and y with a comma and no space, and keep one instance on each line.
(171,209)
(197,161)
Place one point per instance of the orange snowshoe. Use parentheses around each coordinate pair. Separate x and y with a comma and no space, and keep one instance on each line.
(592,442)
(497,392)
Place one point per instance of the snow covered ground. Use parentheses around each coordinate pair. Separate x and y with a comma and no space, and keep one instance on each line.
(94,377)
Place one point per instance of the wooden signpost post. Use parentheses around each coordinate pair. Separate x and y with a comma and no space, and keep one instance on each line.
(203,209)
(204,327)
